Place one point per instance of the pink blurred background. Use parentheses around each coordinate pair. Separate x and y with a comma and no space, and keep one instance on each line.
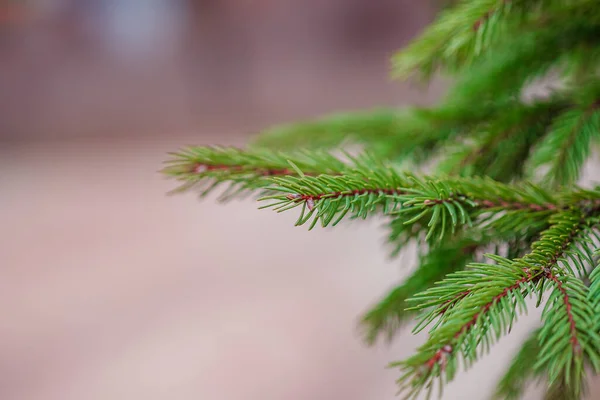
(112,290)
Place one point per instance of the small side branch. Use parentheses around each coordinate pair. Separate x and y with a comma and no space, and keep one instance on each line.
(448,348)
(568,310)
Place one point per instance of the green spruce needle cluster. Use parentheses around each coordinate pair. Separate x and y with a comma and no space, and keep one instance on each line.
(487,183)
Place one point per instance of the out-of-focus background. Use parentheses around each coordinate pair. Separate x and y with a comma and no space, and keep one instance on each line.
(110,289)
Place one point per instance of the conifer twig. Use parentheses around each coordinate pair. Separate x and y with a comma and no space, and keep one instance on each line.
(486,239)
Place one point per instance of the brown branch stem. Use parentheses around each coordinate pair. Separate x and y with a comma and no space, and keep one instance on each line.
(509,205)
(565,296)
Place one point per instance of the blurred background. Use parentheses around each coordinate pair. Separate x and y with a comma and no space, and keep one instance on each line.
(112,290)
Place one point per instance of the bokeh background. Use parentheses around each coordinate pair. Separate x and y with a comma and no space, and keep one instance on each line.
(111,290)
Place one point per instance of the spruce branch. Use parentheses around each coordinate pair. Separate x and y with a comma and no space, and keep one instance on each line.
(567,145)
(459,35)
(370,128)
(388,316)
(462,34)
(328,197)
(480,304)
(594,290)
(486,297)
(500,147)
(557,245)
(444,205)
(411,133)
(536,242)
(208,168)
(519,60)
(441,298)
(358,187)
(522,371)
(568,336)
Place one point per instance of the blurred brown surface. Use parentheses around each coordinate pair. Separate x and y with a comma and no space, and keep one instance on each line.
(128,67)
(111,290)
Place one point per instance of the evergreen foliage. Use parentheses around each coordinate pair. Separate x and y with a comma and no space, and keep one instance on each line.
(500,218)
